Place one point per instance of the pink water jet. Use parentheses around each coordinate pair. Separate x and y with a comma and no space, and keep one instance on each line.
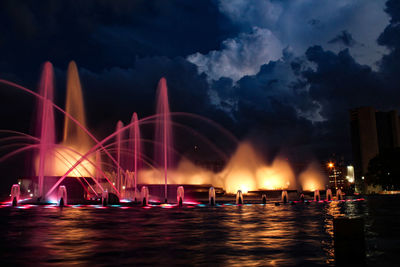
(45,121)
(135,148)
(163,132)
(119,143)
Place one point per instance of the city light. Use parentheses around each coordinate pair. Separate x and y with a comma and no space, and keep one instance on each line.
(350,174)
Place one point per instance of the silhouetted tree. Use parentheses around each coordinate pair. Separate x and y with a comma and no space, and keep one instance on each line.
(384,170)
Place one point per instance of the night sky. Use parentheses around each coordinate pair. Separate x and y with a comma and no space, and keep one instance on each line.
(281,73)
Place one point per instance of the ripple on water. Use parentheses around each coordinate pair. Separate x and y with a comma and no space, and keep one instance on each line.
(200,235)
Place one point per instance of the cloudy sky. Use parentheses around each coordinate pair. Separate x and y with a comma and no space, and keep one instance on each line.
(284,73)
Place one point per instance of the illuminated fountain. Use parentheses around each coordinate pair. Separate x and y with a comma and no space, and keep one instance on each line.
(135,148)
(328,194)
(264,199)
(239,197)
(285,197)
(180,195)
(145,195)
(211,196)
(312,178)
(45,126)
(62,196)
(15,193)
(163,133)
(55,159)
(74,137)
(339,194)
(317,196)
(119,179)
(80,155)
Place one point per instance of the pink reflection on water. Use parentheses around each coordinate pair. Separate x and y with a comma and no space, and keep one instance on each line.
(191,202)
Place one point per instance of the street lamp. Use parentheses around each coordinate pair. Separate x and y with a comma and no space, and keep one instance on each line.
(332,166)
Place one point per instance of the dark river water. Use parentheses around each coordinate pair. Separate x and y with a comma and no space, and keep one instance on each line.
(226,235)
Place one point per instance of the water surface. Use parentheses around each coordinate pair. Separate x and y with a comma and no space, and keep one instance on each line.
(247,235)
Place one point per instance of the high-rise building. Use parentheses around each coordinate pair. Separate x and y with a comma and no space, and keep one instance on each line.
(371,132)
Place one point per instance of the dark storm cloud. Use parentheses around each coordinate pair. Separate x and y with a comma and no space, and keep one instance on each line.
(101,34)
(304,101)
(271,108)
(116,93)
(390,63)
(344,38)
(124,47)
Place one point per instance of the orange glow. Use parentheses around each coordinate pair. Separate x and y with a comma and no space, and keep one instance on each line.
(277,176)
(240,172)
(244,171)
(240,180)
(312,178)
(60,160)
(331,165)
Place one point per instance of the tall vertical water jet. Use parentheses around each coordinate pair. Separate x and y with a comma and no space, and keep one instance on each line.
(45,125)
(74,106)
(118,142)
(97,170)
(135,148)
(163,134)
(74,136)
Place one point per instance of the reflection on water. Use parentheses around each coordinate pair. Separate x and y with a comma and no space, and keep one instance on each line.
(248,235)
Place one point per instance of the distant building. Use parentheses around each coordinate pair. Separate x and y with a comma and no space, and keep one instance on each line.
(340,175)
(371,132)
